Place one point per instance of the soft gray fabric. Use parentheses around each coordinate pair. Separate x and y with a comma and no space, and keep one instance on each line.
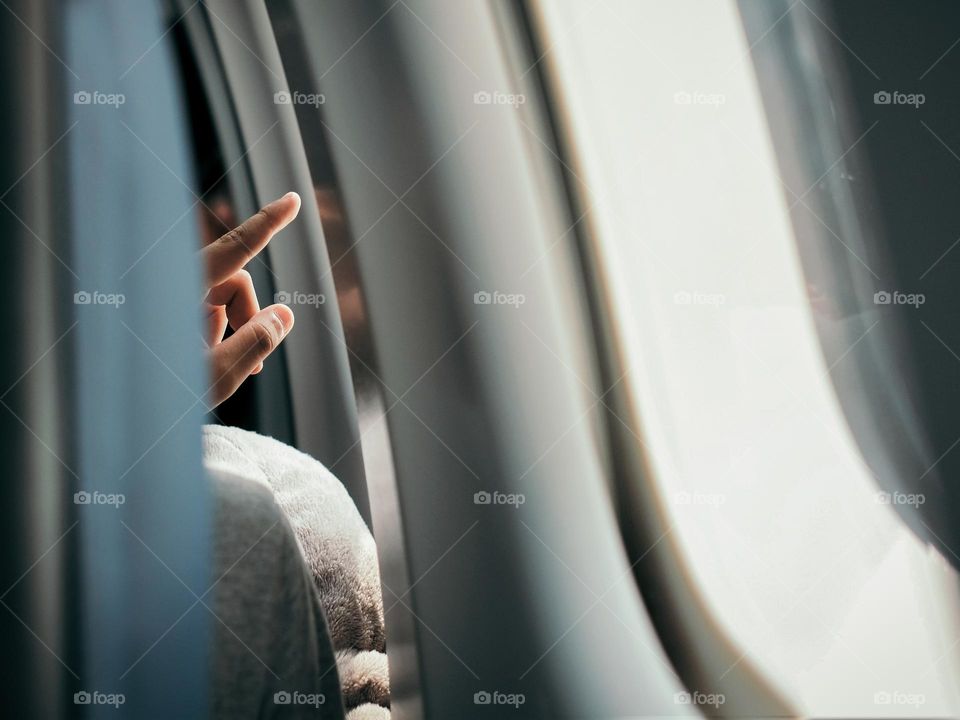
(364,677)
(369,711)
(336,544)
(269,632)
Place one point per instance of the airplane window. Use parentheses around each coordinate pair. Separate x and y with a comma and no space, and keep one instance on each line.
(882,305)
(798,552)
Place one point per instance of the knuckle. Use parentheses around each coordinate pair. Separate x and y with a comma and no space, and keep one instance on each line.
(264,338)
(223,383)
(230,238)
(265,215)
(234,240)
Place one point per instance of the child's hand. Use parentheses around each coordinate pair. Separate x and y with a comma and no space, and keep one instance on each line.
(231,299)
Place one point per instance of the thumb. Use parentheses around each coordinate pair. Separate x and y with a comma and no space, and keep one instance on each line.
(234,359)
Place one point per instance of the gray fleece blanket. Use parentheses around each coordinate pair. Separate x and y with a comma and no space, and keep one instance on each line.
(337,547)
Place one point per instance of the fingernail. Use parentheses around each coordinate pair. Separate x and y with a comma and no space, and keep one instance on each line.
(278,324)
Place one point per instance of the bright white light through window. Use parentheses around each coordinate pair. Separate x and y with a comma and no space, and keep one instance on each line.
(814,578)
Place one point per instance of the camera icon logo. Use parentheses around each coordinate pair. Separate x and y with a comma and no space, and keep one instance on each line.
(882,298)
(81,498)
(482,498)
(282,97)
(82,98)
(283,297)
(482,298)
(82,298)
(281,698)
(482,98)
(882,98)
(81,698)
(482,698)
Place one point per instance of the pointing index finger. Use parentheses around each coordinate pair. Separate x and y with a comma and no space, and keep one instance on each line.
(229,253)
